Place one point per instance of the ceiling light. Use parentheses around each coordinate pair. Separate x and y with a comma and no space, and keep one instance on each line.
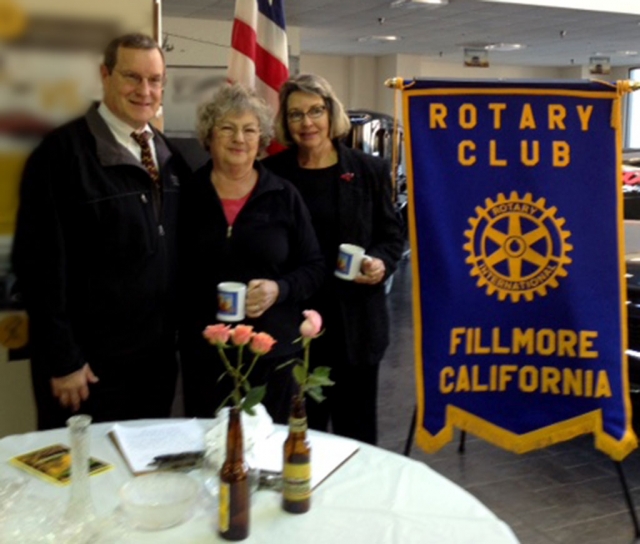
(379,39)
(504,46)
(498,46)
(418,3)
(625,53)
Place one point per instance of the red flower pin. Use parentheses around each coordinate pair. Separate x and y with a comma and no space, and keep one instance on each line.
(347,177)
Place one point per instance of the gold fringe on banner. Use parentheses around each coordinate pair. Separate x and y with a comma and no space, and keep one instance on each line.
(589,423)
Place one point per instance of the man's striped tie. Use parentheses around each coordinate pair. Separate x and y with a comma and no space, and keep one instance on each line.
(142,139)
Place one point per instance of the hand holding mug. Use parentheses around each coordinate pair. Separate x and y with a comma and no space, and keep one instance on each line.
(261,295)
(350,259)
(372,271)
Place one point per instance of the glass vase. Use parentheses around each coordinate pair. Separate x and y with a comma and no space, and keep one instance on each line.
(79,521)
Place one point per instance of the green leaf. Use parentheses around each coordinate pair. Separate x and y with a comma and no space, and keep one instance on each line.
(300,374)
(254,396)
(284,365)
(248,409)
(316,394)
(315,381)
(322,371)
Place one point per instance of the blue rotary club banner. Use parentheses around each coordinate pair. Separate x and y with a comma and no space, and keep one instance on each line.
(518,267)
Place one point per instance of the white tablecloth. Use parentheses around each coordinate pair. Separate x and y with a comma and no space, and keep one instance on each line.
(376,497)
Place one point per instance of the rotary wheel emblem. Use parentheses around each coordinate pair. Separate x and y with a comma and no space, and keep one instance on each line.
(517,247)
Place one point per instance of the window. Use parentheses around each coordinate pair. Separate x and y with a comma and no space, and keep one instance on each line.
(632,132)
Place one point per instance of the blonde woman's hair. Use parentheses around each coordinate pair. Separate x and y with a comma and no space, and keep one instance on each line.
(339,124)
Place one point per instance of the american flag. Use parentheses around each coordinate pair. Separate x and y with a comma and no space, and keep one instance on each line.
(259,53)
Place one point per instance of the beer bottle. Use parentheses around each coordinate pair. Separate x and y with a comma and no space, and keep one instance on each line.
(296,478)
(233,519)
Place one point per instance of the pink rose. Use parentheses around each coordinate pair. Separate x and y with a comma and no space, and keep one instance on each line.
(311,326)
(241,335)
(217,334)
(261,343)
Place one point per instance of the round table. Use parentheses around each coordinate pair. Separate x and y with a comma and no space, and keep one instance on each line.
(376,497)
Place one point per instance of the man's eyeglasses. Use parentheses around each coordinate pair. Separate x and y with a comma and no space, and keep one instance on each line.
(315,112)
(249,133)
(135,79)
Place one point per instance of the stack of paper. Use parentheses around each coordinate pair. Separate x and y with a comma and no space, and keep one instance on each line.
(139,446)
(328,453)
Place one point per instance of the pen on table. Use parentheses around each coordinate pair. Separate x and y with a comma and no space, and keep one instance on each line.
(185,456)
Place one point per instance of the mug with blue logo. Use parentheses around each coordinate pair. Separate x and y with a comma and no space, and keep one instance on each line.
(231,300)
(350,259)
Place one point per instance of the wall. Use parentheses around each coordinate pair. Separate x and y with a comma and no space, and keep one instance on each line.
(364,87)
(334,68)
(205,42)
(17,408)
(129,15)
(357,80)
(354,79)
(47,86)
(197,65)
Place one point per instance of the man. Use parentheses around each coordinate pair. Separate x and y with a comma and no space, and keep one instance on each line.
(95,250)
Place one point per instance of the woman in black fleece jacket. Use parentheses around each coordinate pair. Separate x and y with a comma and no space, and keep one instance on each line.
(242,223)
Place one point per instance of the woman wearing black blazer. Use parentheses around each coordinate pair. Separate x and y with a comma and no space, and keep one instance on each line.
(349,196)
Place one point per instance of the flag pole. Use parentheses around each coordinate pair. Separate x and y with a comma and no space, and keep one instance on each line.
(397,83)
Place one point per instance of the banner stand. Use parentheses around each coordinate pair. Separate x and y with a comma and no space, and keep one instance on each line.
(627,497)
(461,450)
(451,332)
(412,432)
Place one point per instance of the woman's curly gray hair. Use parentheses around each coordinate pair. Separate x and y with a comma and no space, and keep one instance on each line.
(339,123)
(233,99)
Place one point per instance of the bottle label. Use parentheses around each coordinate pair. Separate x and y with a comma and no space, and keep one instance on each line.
(298,425)
(223,508)
(296,482)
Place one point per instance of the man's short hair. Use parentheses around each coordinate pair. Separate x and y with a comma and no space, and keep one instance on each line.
(128,41)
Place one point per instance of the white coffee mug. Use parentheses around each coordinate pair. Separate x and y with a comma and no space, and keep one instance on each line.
(231,299)
(350,259)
